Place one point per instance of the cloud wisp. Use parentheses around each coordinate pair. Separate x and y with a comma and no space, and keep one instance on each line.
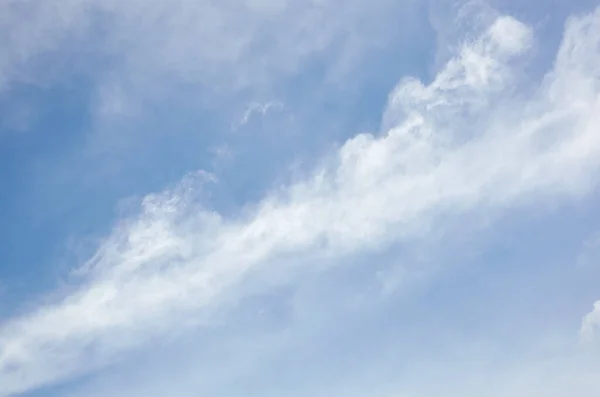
(228,44)
(258,108)
(465,142)
(590,326)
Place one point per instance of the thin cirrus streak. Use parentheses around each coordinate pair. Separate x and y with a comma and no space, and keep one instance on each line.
(461,143)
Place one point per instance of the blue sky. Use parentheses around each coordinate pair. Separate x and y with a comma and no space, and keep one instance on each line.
(300,198)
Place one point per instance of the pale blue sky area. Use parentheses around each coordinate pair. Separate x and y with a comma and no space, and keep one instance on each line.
(388,198)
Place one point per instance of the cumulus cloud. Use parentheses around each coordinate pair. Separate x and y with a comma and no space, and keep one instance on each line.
(465,142)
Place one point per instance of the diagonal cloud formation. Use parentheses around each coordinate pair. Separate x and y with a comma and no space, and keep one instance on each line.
(465,142)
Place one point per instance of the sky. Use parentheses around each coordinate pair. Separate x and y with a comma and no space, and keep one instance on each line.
(387,198)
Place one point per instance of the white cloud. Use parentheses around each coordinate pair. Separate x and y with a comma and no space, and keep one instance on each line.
(260,108)
(589,257)
(463,143)
(228,44)
(590,326)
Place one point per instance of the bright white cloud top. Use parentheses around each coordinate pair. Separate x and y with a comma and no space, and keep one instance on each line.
(482,138)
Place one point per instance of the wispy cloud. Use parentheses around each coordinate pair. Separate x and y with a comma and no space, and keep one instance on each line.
(590,326)
(589,257)
(228,44)
(260,109)
(463,143)
(129,59)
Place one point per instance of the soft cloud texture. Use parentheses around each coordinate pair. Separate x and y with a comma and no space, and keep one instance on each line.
(590,326)
(258,108)
(464,143)
(228,44)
